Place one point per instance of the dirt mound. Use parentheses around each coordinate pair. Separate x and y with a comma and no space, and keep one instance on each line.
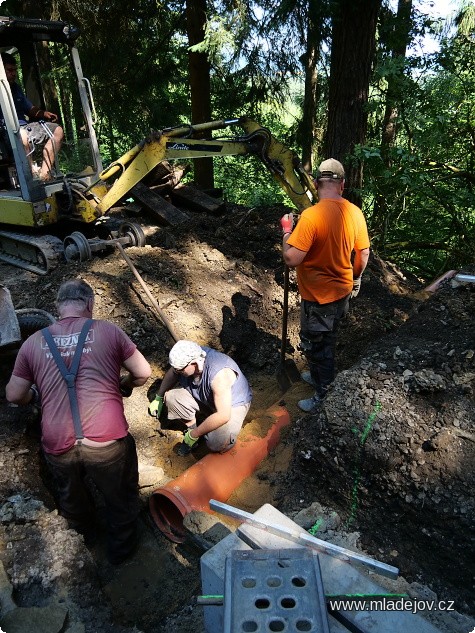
(391,449)
(394,445)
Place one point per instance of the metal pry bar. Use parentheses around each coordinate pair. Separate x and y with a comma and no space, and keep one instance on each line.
(305,539)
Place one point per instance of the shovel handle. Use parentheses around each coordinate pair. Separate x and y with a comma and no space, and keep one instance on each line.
(153,301)
(285,313)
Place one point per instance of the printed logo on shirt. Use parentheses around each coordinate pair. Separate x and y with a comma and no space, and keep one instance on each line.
(68,340)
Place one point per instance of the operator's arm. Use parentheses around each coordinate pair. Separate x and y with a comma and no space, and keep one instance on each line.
(138,368)
(37,113)
(221,387)
(19,391)
(360,261)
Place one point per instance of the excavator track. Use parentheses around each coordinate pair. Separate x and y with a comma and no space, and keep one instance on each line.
(39,254)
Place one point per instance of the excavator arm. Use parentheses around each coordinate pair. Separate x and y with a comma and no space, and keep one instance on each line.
(182,143)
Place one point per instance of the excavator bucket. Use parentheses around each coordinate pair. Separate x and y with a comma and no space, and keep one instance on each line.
(10,328)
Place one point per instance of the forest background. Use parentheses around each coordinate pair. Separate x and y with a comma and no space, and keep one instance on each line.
(341,78)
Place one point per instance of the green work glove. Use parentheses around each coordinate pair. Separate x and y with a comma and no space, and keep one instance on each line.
(188,440)
(155,407)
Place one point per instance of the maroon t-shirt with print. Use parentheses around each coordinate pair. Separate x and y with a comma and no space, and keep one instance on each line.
(97,383)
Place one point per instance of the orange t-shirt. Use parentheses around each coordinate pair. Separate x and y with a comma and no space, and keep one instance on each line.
(328,232)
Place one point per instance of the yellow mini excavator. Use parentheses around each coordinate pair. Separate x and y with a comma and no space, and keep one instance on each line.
(81,192)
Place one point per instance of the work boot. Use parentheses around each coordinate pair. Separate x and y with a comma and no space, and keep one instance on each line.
(310,405)
(184,450)
(306,376)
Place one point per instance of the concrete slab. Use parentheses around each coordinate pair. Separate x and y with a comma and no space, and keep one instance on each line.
(339,578)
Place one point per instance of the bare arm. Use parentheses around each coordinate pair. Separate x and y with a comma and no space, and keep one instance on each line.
(169,380)
(138,368)
(19,391)
(360,261)
(292,256)
(37,113)
(221,387)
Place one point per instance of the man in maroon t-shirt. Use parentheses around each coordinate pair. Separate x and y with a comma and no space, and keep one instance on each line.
(106,451)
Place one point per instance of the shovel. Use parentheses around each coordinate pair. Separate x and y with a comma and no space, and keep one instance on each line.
(287,372)
(154,302)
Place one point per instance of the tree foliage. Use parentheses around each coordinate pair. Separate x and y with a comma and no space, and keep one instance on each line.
(359,89)
(426,177)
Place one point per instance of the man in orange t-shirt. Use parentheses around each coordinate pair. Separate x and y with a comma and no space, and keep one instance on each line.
(320,248)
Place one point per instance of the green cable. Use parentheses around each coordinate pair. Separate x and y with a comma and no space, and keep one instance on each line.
(356,469)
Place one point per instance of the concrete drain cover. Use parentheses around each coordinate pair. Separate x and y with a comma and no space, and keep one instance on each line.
(268,591)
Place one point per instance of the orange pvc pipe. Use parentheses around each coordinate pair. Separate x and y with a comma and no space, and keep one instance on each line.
(215,476)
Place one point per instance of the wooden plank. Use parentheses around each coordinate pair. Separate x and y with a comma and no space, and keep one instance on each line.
(195,200)
(167,185)
(305,539)
(162,210)
(163,175)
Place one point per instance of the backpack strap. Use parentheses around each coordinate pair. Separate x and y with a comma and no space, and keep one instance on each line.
(69,375)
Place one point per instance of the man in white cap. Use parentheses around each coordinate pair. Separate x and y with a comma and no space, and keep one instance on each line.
(320,248)
(203,380)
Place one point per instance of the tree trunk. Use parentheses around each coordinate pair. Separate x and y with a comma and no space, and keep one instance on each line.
(401,41)
(398,46)
(200,84)
(353,44)
(308,124)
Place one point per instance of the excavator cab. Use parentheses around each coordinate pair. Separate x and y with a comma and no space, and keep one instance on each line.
(50,75)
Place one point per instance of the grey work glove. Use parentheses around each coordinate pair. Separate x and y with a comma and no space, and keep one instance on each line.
(356,287)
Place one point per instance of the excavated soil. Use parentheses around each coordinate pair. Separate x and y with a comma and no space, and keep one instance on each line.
(386,464)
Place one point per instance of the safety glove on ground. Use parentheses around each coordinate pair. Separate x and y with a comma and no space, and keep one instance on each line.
(356,287)
(187,445)
(155,407)
(287,223)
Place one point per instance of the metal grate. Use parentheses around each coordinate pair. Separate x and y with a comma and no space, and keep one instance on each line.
(269,591)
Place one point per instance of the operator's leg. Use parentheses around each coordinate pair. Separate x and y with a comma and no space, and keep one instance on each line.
(51,150)
(114,471)
(26,146)
(223,438)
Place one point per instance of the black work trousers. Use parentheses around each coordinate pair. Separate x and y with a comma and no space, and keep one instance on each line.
(113,470)
(318,328)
